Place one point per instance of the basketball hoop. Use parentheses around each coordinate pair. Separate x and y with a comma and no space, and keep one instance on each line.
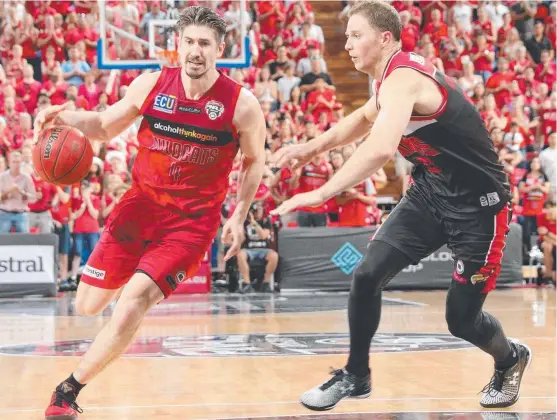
(168,57)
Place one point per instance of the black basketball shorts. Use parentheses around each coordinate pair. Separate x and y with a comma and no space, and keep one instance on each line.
(476,241)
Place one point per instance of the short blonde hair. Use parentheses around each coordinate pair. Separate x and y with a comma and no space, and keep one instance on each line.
(380,15)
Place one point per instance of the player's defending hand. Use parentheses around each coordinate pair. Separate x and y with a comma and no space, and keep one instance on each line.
(233,231)
(45,117)
(309,199)
(294,156)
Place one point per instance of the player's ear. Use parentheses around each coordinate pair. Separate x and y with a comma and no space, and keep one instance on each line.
(220,50)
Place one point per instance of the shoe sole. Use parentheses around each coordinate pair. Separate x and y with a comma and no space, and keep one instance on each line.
(355,397)
(64,417)
(504,405)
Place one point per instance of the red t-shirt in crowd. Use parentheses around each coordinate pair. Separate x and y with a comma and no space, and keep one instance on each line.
(354,213)
(549,224)
(482,63)
(503,96)
(86,223)
(46,192)
(313,98)
(311,179)
(59,51)
(409,38)
(533,201)
(59,95)
(29,93)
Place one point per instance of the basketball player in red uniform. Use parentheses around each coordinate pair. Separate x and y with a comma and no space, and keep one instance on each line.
(460,196)
(194,121)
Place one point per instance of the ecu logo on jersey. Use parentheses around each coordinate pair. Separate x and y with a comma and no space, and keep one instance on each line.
(165,103)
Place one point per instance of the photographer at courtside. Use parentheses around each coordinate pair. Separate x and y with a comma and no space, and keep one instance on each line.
(257,247)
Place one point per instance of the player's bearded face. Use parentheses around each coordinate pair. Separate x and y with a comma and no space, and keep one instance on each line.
(199,50)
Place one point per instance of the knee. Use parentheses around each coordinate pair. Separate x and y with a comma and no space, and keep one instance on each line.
(84,306)
(368,280)
(242,256)
(272,256)
(459,326)
(128,315)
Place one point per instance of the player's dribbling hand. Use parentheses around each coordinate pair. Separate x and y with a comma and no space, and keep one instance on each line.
(233,232)
(46,117)
(294,156)
(309,199)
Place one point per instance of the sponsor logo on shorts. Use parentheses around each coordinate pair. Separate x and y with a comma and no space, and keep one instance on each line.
(165,103)
(180,277)
(94,272)
(189,109)
(214,109)
(51,139)
(251,345)
(459,267)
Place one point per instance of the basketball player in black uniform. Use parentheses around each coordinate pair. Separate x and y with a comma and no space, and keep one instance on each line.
(459,197)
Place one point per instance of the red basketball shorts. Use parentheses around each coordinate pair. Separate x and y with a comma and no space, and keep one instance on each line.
(141,235)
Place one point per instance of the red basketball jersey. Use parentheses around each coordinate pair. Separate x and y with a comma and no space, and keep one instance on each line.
(312,178)
(187,147)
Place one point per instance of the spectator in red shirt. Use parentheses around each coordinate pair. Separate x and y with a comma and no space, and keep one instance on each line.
(499,83)
(24,131)
(60,211)
(528,84)
(545,71)
(451,49)
(51,37)
(49,63)
(14,66)
(415,13)
(90,90)
(56,87)
(7,41)
(42,13)
(505,30)
(482,55)
(409,35)
(534,188)
(483,25)
(86,228)
(268,12)
(5,138)
(28,89)
(321,100)
(437,29)
(39,211)
(26,35)
(312,176)
(547,231)
(521,61)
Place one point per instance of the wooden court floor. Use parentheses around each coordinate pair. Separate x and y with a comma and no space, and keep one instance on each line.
(230,356)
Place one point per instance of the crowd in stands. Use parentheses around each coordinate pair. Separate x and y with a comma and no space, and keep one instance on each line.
(501,53)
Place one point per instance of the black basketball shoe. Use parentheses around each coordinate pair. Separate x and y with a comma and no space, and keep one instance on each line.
(504,388)
(342,385)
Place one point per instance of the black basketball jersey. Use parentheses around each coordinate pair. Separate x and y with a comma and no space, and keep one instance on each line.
(456,166)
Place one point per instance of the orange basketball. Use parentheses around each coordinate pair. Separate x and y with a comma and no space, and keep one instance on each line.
(62,155)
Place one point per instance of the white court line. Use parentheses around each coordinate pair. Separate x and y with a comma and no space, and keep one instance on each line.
(137,407)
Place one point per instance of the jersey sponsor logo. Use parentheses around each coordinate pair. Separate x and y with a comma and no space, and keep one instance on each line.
(94,272)
(51,139)
(165,103)
(189,109)
(419,152)
(250,345)
(183,152)
(188,132)
(214,109)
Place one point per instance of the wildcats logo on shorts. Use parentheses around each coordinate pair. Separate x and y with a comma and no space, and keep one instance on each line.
(165,103)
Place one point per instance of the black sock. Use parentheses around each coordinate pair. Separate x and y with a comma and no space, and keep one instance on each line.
(76,387)
(509,361)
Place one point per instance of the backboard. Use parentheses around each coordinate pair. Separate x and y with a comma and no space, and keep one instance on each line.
(127,42)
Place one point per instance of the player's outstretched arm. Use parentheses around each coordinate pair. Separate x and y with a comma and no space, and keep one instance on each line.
(398,95)
(107,124)
(346,131)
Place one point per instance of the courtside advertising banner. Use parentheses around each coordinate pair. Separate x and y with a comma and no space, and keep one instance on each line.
(21,264)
